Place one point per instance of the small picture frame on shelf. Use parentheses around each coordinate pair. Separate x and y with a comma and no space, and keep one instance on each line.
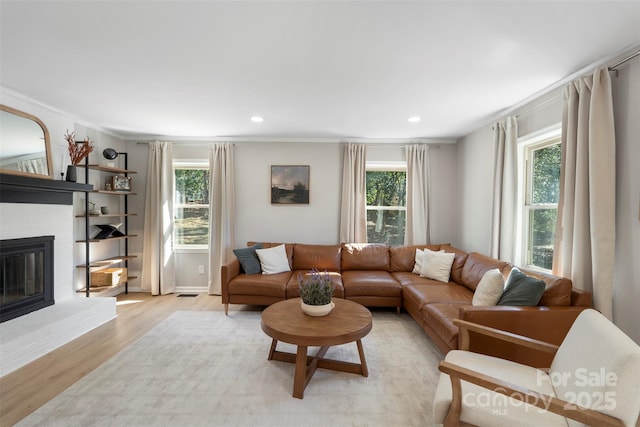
(121,183)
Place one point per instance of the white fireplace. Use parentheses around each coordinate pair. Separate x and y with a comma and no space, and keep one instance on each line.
(28,337)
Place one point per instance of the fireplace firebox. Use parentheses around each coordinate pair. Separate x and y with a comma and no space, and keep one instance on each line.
(26,275)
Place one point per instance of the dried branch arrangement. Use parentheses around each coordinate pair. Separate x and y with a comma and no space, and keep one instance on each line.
(78,150)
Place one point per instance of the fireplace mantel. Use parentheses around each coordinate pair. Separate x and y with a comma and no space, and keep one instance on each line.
(26,189)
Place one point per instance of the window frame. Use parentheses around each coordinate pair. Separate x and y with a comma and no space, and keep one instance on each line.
(386,166)
(188,164)
(526,147)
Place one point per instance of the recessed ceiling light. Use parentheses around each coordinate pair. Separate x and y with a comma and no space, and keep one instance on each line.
(414,119)
(257,119)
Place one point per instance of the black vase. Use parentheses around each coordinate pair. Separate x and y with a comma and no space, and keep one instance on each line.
(72,175)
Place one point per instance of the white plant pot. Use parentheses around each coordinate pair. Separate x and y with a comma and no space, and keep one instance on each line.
(317,310)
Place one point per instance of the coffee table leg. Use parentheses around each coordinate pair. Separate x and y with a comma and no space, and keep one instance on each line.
(363,361)
(299,379)
(274,343)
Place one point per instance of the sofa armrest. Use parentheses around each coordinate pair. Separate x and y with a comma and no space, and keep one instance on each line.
(227,272)
(467,327)
(548,324)
(581,298)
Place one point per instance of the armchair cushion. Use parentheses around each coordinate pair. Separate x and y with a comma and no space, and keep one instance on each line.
(597,361)
(484,407)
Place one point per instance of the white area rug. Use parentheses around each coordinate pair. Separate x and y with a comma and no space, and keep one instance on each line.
(200,368)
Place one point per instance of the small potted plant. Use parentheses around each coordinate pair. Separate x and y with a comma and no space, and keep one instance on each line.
(316,291)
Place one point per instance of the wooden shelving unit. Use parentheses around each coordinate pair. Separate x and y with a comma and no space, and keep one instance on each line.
(107,240)
(122,259)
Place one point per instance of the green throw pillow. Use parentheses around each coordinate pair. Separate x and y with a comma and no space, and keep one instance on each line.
(249,259)
(521,290)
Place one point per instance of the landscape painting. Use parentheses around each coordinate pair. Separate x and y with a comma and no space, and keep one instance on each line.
(290,185)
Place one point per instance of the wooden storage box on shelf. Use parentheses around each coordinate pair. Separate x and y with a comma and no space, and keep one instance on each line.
(108,277)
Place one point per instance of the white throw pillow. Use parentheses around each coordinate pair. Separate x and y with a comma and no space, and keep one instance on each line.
(417,267)
(489,289)
(437,265)
(273,260)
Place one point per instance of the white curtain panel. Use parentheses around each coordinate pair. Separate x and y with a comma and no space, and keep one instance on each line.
(222,225)
(417,219)
(585,228)
(504,196)
(158,269)
(353,209)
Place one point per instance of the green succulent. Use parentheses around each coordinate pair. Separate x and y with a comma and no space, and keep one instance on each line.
(315,288)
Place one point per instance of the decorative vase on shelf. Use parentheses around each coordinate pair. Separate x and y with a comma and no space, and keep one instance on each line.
(317,310)
(72,174)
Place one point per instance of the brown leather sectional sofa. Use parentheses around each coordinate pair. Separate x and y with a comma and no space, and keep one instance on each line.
(378,275)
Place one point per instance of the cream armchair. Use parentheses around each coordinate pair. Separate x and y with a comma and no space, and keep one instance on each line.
(594,379)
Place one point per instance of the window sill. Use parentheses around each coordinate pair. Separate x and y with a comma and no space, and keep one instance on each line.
(195,250)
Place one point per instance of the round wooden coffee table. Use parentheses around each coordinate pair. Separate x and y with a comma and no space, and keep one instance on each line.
(285,321)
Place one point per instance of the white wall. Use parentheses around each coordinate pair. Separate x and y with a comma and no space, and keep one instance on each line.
(318,222)
(475,168)
(473,208)
(259,220)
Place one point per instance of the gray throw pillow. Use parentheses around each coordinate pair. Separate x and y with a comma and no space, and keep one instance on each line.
(521,290)
(248,259)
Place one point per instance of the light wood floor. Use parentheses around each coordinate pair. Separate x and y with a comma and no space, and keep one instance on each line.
(26,389)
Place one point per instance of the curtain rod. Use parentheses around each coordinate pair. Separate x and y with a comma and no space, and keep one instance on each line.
(619,63)
(400,143)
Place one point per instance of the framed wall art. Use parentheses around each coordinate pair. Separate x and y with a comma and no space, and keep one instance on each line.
(121,183)
(289,184)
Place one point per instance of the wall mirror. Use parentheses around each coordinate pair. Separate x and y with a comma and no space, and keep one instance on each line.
(24,144)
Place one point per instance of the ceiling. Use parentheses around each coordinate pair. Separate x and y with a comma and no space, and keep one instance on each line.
(312,69)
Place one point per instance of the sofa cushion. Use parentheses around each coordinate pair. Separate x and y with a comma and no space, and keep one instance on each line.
(437,265)
(370,283)
(272,285)
(273,260)
(320,257)
(475,266)
(430,293)
(458,261)
(402,258)
(439,317)
(293,290)
(489,289)
(405,279)
(521,290)
(248,259)
(365,256)
(557,290)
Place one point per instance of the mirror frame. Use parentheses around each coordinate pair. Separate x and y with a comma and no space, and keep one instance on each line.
(47,144)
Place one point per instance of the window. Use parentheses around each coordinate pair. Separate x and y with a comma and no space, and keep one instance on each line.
(542,190)
(386,203)
(191,205)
